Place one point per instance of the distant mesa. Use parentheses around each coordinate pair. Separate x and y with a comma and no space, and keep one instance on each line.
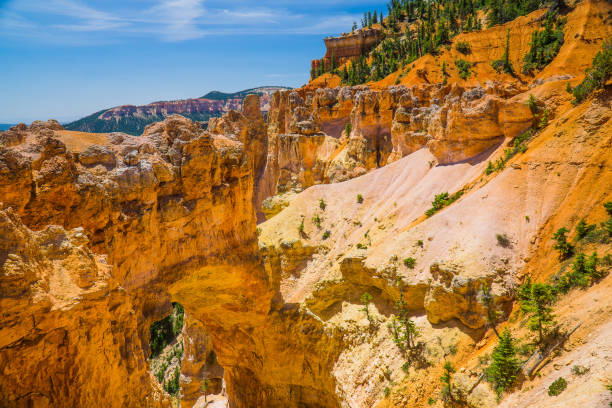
(133,119)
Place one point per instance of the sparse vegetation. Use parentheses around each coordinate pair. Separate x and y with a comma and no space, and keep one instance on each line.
(582,229)
(301,227)
(565,248)
(597,75)
(492,312)
(464,68)
(359,198)
(409,263)
(420,243)
(557,387)
(172,387)
(442,200)
(447,385)
(322,204)
(463,47)
(348,129)
(580,370)
(365,300)
(503,64)
(503,240)
(316,220)
(326,234)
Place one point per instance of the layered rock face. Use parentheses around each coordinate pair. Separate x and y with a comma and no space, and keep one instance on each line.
(308,143)
(96,242)
(348,47)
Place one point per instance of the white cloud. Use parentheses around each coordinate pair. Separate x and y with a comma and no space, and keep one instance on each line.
(79,22)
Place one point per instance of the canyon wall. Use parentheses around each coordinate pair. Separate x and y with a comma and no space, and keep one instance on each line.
(308,142)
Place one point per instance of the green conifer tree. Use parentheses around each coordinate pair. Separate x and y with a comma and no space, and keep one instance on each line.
(505,365)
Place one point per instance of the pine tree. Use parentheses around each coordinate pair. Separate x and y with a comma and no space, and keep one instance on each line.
(502,371)
(375,18)
(446,380)
(565,248)
(492,312)
(535,300)
(366,298)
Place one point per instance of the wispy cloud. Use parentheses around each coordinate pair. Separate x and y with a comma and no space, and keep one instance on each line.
(80,21)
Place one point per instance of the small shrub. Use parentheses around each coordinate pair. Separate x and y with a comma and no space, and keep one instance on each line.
(533,104)
(420,243)
(365,299)
(557,387)
(317,220)
(359,198)
(463,47)
(361,246)
(301,226)
(410,263)
(503,240)
(431,401)
(442,200)
(348,129)
(446,380)
(565,248)
(580,370)
(387,392)
(464,68)
(172,387)
(326,234)
(582,229)
(322,204)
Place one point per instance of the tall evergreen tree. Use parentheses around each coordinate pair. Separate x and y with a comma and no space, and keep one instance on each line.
(535,300)
(502,371)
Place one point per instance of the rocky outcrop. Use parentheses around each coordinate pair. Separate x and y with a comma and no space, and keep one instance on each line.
(181,199)
(308,143)
(347,47)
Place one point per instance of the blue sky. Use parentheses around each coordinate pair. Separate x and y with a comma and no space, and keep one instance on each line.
(65,59)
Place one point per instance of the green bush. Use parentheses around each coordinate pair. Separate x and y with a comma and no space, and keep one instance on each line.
(557,387)
(410,262)
(326,234)
(348,129)
(316,220)
(565,248)
(359,198)
(464,68)
(172,387)
(503,240)
(322,204)
(597,75)
(442,200)
(463,47)
(582,229)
